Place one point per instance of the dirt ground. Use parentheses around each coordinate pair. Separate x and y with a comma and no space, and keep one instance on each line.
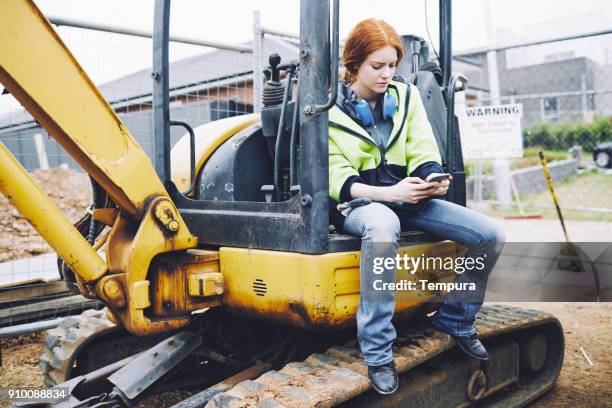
(71,192)
(586,325)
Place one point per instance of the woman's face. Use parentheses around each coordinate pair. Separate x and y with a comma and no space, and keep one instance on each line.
(376,71)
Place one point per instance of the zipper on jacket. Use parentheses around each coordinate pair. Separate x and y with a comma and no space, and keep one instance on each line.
(386,169)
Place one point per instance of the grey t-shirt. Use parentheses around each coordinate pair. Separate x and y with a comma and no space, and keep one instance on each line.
(381,129)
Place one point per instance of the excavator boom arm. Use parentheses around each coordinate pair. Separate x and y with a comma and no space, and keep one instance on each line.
(38,70)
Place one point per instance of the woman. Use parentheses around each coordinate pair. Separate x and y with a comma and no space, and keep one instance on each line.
(382,152)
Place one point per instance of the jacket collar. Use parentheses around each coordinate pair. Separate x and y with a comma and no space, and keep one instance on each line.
(339,118)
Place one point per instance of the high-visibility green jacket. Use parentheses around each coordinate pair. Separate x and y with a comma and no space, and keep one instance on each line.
(354,156)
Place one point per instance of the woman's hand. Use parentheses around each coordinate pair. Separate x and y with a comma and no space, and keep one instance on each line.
(410,190)
(441,186)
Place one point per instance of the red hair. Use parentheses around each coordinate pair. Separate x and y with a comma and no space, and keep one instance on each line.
(366,37)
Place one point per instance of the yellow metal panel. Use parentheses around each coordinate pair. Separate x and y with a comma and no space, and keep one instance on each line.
(207,138)
(39,70)
(313,291)
(130,252)
(35,206)
(177,278)
(140,295)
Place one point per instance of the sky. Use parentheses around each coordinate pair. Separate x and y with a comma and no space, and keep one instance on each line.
(476,23)
(231,20)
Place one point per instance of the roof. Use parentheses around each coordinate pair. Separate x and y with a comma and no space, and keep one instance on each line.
(204,69)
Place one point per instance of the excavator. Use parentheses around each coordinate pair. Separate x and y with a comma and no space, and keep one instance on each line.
(216,260)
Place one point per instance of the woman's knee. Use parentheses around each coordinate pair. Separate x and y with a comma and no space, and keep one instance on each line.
(382,224)
(493,237)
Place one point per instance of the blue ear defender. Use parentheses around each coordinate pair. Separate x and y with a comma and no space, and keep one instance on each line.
(363,112)
(389,106)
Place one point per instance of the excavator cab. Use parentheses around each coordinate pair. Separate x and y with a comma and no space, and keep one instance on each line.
(221,250)
(263,191)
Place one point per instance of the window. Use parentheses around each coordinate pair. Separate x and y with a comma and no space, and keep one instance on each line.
(550,108)
(222,109)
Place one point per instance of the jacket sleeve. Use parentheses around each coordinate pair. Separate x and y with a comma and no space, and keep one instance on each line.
(341,174)
(425,169)
(421,145)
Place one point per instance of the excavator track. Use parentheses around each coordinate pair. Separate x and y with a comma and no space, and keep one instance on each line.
(340,376)
(525,346)
(63,343)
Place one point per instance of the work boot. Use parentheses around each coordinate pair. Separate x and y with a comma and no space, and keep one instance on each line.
(384,378)
(470,345)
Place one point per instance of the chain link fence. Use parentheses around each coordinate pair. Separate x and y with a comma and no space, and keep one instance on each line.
(565,88)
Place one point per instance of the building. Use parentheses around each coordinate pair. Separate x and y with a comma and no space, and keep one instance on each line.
(203,88)
(569,80)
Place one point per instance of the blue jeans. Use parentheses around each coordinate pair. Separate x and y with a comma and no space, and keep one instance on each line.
(377,223)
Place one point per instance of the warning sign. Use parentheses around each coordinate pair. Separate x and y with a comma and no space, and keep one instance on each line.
(491,132)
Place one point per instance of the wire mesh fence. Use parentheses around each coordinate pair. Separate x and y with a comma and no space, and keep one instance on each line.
(565,88)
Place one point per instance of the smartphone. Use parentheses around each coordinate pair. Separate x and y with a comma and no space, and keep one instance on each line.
(439,177)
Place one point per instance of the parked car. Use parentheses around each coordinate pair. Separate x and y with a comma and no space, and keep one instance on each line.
(602,155)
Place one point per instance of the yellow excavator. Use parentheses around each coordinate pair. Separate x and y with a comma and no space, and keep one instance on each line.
(216,261)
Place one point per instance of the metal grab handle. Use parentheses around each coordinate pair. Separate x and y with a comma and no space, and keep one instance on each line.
(317,109)
(191,153)
(281,132)
(292,144)
(416,52)
(450,117)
